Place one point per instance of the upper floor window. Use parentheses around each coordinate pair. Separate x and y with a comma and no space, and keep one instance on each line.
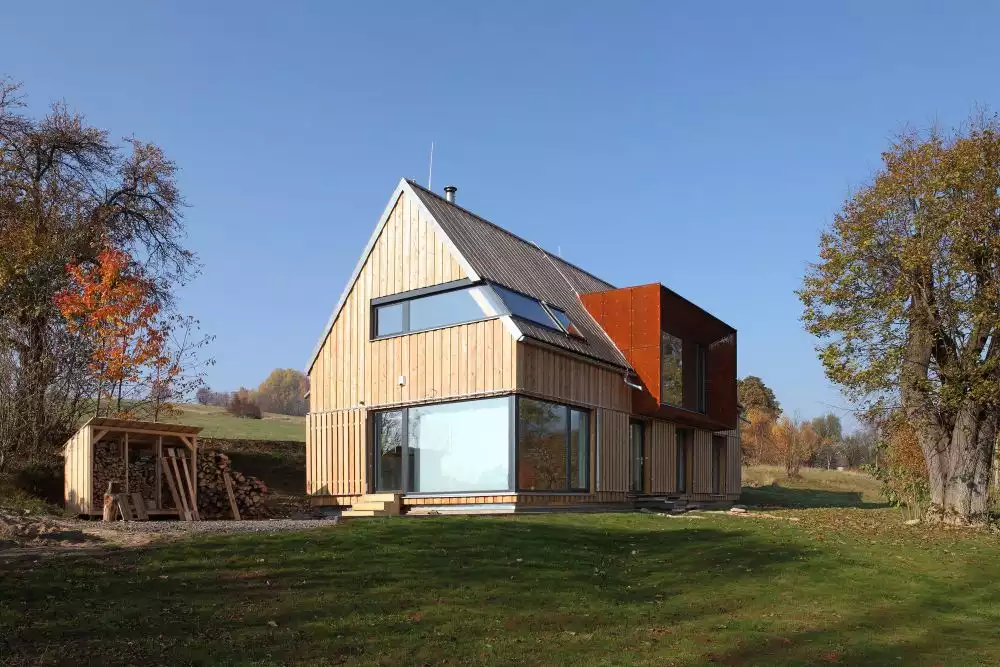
(431,311)
(459,303)
(671,370)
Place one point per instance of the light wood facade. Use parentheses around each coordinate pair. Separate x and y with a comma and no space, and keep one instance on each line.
(352,376)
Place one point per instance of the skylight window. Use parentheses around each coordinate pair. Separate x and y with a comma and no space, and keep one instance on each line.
(533,310)
(564,321)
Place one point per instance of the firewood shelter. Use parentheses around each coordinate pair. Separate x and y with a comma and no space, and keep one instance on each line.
(136,455)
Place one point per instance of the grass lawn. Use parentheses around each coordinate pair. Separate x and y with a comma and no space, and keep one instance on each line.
(217,423)
(847,586)
(768,486)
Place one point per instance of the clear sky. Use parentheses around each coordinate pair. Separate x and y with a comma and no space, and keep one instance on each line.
(700,144)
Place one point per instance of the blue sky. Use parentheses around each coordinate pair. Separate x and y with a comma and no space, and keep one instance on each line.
(702,145)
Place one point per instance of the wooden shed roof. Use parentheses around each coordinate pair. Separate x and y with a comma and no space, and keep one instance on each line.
(133,424)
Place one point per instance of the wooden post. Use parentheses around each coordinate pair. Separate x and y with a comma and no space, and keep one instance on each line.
(126,463)
(159,473)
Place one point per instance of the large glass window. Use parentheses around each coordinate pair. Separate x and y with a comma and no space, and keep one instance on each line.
(553,447)
(431,311)
(460,446)
(671,370)
(444,448)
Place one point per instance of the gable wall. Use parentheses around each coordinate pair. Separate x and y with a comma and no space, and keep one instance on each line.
(454,361)
(352,374)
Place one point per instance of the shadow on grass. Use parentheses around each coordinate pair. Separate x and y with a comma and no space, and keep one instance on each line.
(419,591)
(775,495)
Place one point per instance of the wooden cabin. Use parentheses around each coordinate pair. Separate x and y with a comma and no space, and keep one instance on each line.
(129,452)
(464,368)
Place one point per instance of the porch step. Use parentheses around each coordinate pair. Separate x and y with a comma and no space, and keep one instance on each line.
(374,504)
(360,513)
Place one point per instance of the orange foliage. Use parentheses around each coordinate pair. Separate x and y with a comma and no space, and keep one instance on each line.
(114,305)
(757,437)
(794,444)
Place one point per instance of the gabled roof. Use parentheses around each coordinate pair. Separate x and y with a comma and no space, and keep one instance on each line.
(500,256)
(488,252)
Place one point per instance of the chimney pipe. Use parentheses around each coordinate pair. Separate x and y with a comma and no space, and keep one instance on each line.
(449,193)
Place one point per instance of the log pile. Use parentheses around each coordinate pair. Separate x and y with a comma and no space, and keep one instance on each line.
(213,499)
(109,465)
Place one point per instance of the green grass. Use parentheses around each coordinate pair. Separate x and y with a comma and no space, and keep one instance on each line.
(768,486)
(841,586)
(217,423)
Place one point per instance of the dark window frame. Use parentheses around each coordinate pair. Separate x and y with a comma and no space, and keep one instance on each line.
(567,433)
(405,298)
(682,437)
(372,445)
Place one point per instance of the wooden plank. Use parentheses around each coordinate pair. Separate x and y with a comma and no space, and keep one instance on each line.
(232,497)
(121,500)
(172,487)
(190,491)
(139,505)
(177,486)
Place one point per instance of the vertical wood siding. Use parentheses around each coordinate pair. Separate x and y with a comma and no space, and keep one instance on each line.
(335,453)
(702,460)
(548,373)
(614,458)
(661,448)
(734,471)
(78,477)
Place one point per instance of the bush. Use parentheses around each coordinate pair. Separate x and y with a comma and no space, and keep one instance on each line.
(241,405)
(43,481)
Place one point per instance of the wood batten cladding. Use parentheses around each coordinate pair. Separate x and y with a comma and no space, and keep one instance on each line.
(351,370)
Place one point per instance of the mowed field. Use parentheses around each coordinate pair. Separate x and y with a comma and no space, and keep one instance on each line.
(217,423)
(790,586)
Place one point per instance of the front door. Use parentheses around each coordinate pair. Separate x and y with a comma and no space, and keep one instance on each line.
(637,449)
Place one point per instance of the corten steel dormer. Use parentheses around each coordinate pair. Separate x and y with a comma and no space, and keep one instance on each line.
(685,357)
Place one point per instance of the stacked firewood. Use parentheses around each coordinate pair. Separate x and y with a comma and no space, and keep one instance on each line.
(109,465)
(213,499)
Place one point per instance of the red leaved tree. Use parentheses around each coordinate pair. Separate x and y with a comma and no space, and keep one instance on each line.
(114,304)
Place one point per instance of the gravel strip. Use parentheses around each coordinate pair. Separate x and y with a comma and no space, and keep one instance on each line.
(223,526)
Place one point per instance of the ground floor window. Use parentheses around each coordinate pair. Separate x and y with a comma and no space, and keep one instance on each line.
(444,448)
(553,446)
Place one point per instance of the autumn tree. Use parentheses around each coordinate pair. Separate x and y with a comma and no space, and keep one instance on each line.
(753,393)
(906,302)
(284,392)
(67,192)
(794,444)
(112,303)
(757,442)
(830,433)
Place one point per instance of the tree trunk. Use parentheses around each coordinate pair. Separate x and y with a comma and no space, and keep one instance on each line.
(959,467)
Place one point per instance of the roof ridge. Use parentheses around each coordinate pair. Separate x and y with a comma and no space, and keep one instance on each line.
(509,233)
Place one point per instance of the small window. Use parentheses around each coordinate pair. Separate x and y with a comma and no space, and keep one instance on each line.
(526,307)
(389,319)
(564,321)
(671,370)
